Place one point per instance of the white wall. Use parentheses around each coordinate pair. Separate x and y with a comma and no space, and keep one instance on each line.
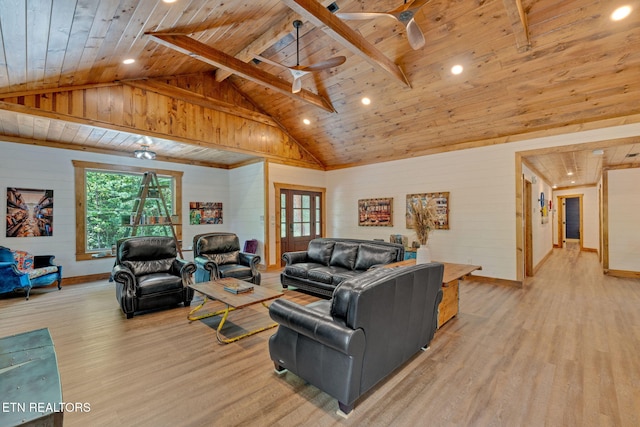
(480,183)
(542,233)
(624,219)
(29,166)
(590,215)
(246,186)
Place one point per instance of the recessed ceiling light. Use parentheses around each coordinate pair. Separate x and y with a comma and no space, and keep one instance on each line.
(129,61)
(598,152)
(621,13)
(169,1)
(554,186)
(569,173)
(573,182)
(456,69)
(306,121)
(366,101)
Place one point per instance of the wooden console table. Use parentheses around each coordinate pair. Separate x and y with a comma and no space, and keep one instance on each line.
(453,274)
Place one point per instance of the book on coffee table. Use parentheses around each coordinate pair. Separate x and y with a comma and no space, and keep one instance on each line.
(238,288)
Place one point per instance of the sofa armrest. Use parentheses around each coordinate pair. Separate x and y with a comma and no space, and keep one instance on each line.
(250,260)
(294,257)
(184,269)
(317,327)
(207,265)
(43,261)
(124,275)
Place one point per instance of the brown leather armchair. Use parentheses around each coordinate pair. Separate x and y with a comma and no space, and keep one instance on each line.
(148,274)
(218,255)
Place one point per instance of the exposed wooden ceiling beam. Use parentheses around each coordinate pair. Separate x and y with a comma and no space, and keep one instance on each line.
(519,25)
(210,55)
(195,98)
(275,33)
(320,16)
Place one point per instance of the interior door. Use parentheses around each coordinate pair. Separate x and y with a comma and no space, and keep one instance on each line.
(300,219)
(572,218)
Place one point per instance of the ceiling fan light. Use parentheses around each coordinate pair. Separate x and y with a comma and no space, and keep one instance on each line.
(145,153)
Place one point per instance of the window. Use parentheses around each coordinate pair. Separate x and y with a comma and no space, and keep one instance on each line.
(105,201)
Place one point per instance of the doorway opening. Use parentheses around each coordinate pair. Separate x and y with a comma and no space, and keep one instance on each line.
(570,229)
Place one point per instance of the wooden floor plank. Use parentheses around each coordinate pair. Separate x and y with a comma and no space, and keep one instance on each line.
(563,350)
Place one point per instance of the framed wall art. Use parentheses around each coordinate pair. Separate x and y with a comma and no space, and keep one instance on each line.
(375,212)
(205,213)
(442,207)
(29,212)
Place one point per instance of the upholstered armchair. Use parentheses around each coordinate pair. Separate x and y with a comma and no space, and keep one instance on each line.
(22,271)
(149,275)
(218,255)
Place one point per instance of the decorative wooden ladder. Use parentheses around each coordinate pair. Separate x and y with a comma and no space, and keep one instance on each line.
(150,188)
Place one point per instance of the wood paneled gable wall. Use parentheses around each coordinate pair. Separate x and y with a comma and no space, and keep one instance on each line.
(187,112)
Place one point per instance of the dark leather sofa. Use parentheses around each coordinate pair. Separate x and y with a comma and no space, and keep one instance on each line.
(373,324)
(148,274)
(217,255)
(329,261)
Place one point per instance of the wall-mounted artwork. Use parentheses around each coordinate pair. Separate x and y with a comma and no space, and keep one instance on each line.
(375,212)
(205,213)
(442,207)
(29,212)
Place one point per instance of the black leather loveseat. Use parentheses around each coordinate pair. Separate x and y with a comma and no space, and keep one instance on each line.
(329,261)
(372,325)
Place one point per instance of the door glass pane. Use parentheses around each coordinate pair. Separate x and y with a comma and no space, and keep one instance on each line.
(283,200)
(306,200)
(306,215)
(297,230)
(297,201)
(306,229)
(297,215)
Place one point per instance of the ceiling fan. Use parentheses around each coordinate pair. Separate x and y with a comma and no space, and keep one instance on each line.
(405,14)
(298,71)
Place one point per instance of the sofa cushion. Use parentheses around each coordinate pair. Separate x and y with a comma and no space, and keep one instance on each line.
(235,270)
(370,255)
(301,269)
(139,268)
(224,258)
(344,255)
(24,260)
(325,274)
(319,251)
(344,275)
(158,282)
(38,272)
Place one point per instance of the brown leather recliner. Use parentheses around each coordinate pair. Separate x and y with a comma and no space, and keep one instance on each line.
(148,274)
(218,255)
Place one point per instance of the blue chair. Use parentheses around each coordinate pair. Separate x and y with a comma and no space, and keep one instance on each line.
(21,271)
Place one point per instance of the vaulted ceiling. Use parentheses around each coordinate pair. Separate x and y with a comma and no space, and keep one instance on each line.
(207,86)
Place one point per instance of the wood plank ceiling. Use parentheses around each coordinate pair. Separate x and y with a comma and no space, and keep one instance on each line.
(531,67)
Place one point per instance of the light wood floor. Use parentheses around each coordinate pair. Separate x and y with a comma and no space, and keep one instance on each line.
(563,351)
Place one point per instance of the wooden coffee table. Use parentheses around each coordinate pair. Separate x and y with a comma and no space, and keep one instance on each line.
(215,291)
(453,274)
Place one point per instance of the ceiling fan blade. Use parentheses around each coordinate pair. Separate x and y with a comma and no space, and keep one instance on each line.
(361,16)
(329,63)
(414,35)
(297,85)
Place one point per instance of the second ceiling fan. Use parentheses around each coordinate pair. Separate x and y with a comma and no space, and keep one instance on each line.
(405,14)
(298,71)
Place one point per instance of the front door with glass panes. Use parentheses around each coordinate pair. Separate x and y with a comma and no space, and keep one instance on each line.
(300,219)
